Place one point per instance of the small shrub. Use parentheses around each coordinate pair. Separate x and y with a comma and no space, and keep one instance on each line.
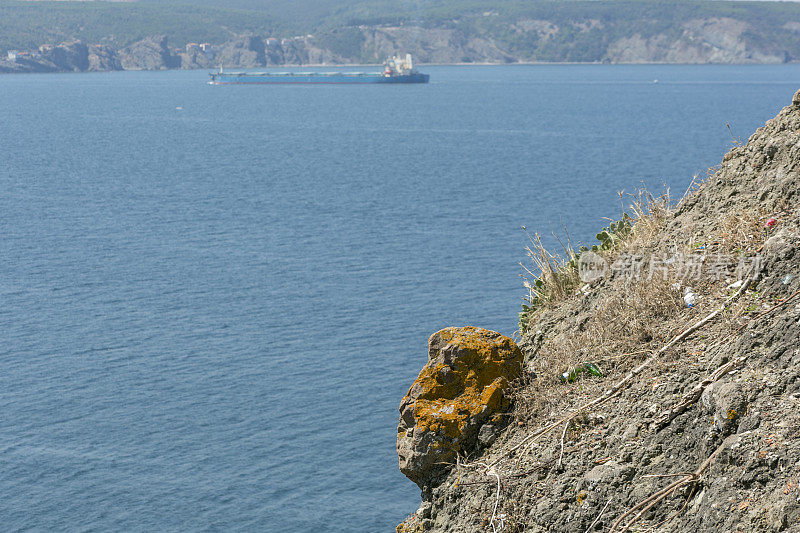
(614,234)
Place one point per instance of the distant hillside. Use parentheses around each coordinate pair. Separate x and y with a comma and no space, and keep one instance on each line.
(27,25)
(334,31)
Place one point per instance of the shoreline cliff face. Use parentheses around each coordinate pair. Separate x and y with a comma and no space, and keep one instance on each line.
(709,40)
(661,384)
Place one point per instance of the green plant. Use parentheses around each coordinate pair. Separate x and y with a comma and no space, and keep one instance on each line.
(615,233)
(536,297)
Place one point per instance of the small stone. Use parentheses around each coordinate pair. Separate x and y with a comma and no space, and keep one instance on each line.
(602,473)
(424,510)
(630,432)
(729,403)
(487,435)
(796,98)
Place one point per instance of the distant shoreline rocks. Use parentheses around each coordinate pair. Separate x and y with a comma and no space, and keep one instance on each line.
(717,40)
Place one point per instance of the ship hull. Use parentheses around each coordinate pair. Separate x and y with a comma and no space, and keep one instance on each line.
(240,78)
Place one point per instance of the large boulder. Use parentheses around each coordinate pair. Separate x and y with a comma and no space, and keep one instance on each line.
(460,389)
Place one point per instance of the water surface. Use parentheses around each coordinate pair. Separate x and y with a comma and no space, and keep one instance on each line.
(213,298)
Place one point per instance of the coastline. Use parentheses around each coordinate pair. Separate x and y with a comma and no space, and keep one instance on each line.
(378,65)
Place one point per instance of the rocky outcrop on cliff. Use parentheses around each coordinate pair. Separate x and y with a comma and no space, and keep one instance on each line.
(72,56)
(455,401)
(433,45)
(715,40)
(247,51)
(196,58)
(693,424)
(9,67)
(151,53)
(102,58)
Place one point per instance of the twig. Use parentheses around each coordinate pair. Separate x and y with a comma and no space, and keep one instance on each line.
(568,252)
(563,434)
(668,475)
(688,191)
(530,439)
(736,141)
(679,511)
(693,395)
(569,240)
(648,503)
(603,510)
(492,472)
(496,499)
(504,478)
(777,305)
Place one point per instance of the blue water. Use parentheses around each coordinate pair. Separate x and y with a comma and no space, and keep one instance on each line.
(210,314)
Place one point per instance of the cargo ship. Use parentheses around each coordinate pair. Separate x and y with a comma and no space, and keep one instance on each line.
(396,70)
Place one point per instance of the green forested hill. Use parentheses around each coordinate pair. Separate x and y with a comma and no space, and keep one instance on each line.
(311,14)
(26,25)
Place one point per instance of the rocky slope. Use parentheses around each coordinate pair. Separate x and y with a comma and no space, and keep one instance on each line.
(149,54)
(693,320)
(71,56)
(714,40)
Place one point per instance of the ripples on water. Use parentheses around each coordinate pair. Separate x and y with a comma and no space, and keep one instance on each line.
(210,313)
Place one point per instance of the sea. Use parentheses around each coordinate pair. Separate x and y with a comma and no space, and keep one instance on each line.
(213,298)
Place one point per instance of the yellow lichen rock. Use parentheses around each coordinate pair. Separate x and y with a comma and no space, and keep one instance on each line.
(459,389)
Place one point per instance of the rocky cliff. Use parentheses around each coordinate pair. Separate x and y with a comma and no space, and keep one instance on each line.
(712,40)
(661,384)
(149,54)
(152,53)
(575,39)
(71,56)
(102,58)
(715,40)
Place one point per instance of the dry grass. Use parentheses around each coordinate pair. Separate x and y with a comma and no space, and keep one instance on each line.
(626,322)
(552,276)
(739,231)
(632,318)
(626,318)
(650,213)
(619,320)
